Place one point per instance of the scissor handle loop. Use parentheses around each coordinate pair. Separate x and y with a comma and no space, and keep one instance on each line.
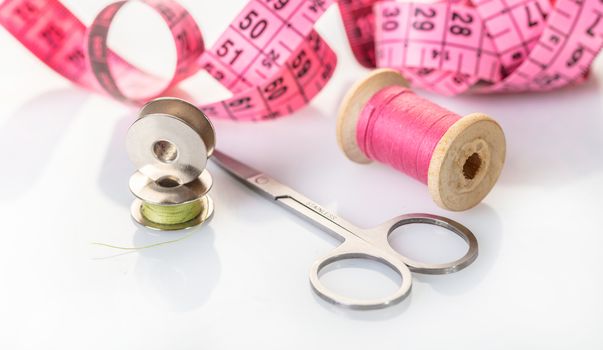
(386,229)
(357,249)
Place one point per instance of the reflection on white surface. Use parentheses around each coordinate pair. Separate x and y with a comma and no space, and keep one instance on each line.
(116,165)
(29,136)
(181,276)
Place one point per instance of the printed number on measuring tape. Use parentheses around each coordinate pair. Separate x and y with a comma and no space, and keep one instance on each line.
(273,61)
(504,45)
(270,57)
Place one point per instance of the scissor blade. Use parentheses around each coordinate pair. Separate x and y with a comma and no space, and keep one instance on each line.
(285,196)
(234,167)
(251,177)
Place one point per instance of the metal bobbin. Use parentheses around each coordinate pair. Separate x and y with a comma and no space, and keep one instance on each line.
(170,144)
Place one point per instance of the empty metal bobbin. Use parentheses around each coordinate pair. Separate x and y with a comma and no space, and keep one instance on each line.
(170,144)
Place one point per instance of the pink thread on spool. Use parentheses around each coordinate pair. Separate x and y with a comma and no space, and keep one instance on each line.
(459,158)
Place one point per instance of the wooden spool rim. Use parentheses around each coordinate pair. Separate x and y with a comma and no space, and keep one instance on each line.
(353,103)
(446,186)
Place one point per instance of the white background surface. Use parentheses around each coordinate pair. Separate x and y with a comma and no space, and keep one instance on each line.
(241,281)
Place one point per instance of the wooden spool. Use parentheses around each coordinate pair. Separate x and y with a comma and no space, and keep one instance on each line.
(466,162)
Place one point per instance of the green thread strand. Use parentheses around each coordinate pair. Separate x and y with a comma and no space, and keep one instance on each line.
(146,246)
(165,215)
(171,214)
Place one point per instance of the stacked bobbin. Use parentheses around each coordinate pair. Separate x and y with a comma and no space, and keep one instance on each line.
(170,144)
(460,159)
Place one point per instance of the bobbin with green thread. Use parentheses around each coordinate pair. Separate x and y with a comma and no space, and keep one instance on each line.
(170,144)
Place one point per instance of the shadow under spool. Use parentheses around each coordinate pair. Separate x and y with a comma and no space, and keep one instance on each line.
(463,156)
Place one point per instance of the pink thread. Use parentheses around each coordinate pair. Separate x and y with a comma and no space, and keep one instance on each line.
(399,128)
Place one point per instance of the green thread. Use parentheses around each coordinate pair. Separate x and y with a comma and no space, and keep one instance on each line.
(165,215)
(146,246)
(171,214)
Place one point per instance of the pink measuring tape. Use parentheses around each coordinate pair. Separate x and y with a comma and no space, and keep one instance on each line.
(478,45)
(269,57)
(273,61)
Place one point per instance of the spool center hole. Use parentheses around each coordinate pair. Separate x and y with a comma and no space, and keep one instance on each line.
(472,166)
(165,151)
(168,182)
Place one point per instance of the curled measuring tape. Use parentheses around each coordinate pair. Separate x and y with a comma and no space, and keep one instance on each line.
(273,62)
(269,57)
(478,45)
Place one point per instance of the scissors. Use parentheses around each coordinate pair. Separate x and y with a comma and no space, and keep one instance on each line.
(355,242)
